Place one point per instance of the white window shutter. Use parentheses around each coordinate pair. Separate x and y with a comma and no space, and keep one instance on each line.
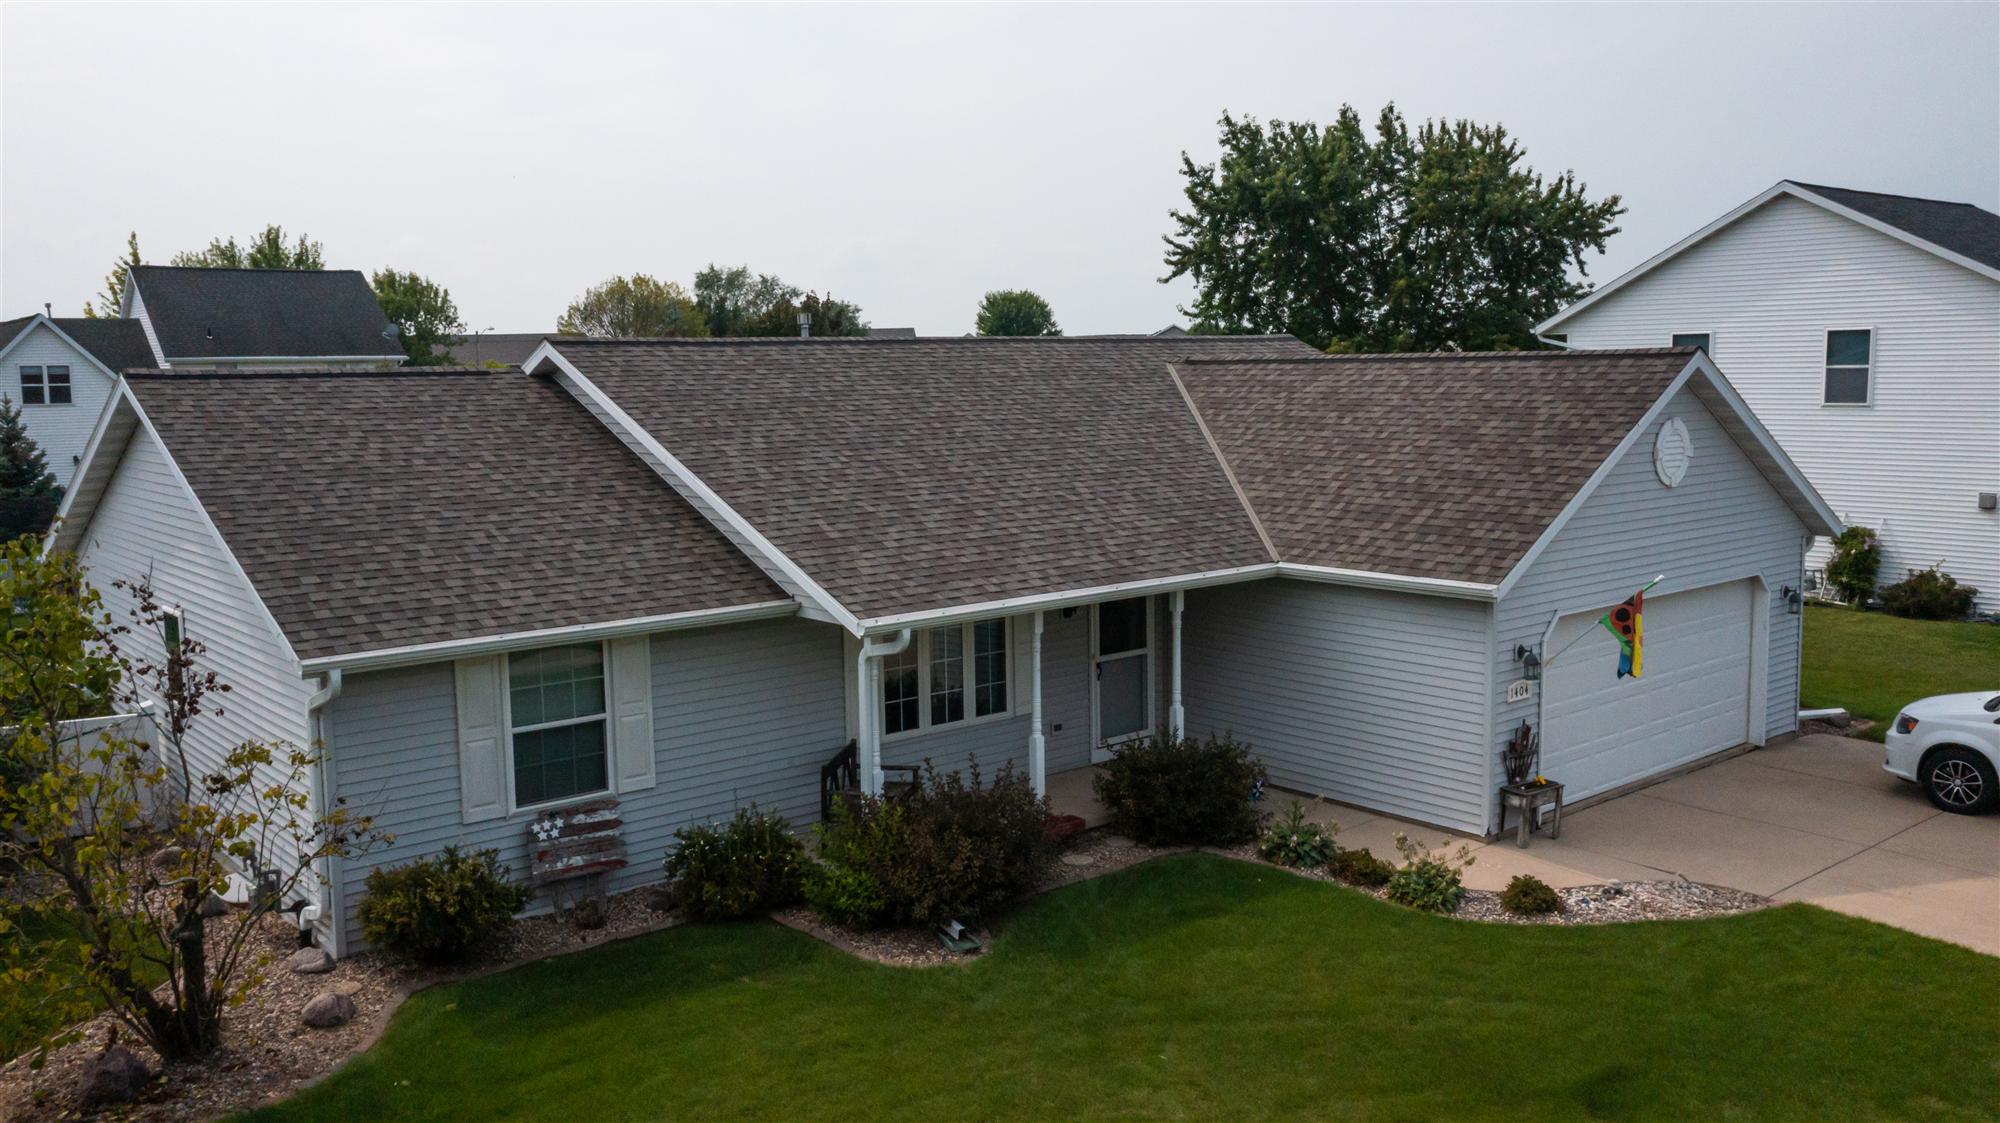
(632,713)
(482,781)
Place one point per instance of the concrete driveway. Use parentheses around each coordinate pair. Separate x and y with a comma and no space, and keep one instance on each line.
(1814,819)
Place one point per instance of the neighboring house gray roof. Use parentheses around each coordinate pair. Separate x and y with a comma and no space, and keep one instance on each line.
(910,475)
(508,349)
(278,313)
(892,333)
(381,509)
(1446,466)
(118,344)
(1961,228)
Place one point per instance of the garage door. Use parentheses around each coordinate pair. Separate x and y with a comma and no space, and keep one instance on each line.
(1600,731)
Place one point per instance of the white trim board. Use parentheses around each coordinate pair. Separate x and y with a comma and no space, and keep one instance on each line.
(1782,187)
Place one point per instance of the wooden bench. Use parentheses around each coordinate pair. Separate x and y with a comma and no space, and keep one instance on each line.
(840,778)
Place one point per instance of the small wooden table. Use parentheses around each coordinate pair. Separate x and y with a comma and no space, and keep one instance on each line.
(1531,798)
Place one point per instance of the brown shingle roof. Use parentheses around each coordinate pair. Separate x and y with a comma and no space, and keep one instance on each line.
(1434,465)
(382,509)
(907,475)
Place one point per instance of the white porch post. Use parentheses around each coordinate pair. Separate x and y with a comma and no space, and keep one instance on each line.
(1038,749)
(1176,716)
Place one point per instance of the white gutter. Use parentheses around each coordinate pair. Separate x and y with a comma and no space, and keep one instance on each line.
(323,803)
(509,641)
(868,738)
(1369,579)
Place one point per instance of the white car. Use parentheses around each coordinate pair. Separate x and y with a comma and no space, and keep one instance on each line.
(1950,746)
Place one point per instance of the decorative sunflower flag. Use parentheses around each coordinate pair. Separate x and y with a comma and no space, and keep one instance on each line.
(1628,623)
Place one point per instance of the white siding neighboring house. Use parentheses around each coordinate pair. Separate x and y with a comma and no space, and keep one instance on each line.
(48,367)
(1901,297)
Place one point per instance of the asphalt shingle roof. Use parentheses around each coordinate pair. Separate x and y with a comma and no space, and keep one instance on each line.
(281,313)
(382,509)
(1962,228)
(118,344)
(1433,465)
(906,475)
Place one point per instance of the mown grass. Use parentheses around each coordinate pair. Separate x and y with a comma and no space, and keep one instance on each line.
(1873,664)
(1197,987)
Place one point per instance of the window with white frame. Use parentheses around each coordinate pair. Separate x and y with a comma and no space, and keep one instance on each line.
(1850,359)
(557,729)
(1693,339)
(947,675)
(45,386)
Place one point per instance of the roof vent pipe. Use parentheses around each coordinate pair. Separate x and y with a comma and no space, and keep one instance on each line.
(805,325)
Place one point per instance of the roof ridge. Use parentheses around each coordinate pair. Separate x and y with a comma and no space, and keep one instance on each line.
(184,374)
(904,341)
(240,269)
(1414,356)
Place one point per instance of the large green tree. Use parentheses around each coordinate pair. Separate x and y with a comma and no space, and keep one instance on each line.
(423,310)
(634,306)
(109,301)
(268,249)
(1015,312)
(736,302)
(1439,238)
(29,494)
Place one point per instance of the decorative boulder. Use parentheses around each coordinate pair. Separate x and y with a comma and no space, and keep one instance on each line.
(310,961)
(214,906)
(167,857)
(114,1076)
(329,1009)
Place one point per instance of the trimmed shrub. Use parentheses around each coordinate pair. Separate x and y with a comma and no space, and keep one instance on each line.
(1166,790)
(1430,880)
(1359,867)
(1929,594)
(436,910)
(955,850)
(1294,840)
(1851,570)
(745,867)
(1529,896)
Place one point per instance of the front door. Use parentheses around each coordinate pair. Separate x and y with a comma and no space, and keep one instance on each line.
(1121,695)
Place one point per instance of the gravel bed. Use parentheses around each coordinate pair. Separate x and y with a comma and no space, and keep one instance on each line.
(268,1053)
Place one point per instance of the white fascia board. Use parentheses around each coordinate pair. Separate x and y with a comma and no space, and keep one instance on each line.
(43,321)
(1661,258)
(1895,232)
(543,637)
(1590,485)
(1394,582)
(1065,598)
(1713,378)
(65,535)
(817,603)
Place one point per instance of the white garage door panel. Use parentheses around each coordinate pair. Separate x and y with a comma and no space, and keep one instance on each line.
(1600,731)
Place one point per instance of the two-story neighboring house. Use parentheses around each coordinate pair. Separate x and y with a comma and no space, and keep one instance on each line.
(61,372)
(1864,329)
(259,318)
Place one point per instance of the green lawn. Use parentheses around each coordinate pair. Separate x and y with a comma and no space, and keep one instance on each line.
(1197,987)
(1874,664)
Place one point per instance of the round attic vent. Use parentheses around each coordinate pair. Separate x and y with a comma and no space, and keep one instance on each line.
(1672,451)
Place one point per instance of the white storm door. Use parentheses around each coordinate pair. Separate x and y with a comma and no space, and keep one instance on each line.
(1121,690)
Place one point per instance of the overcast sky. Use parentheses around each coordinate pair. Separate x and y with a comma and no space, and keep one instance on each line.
(908,158)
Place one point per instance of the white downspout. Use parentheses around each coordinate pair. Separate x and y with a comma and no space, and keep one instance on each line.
(1038,745)
(1176,715)
(323,802)
(868,731)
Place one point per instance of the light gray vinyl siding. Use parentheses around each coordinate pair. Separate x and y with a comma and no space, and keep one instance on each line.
(146,522)
(60,430)
(742,714)
(1724,522)
(1912,463)
(1372,698)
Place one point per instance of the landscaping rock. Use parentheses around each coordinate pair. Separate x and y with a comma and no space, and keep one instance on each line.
(1077,859)
(114,1076)
(167,857)
(329,1009)
(348,987)
(310,961)
(214,906)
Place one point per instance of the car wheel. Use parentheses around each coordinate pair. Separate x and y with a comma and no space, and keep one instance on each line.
(1960,781)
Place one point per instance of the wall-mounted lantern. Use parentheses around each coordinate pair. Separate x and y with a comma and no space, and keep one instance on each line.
(1530,660)
(1795,601)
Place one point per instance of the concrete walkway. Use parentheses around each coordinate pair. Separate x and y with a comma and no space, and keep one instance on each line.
(1815,819)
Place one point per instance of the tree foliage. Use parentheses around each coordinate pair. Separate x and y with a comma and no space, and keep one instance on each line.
(736,302)
(635,306)
(127,837)
(1437,239)
(423,310)
(110,300)
(29,494)
(268,249)
(1015,312)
